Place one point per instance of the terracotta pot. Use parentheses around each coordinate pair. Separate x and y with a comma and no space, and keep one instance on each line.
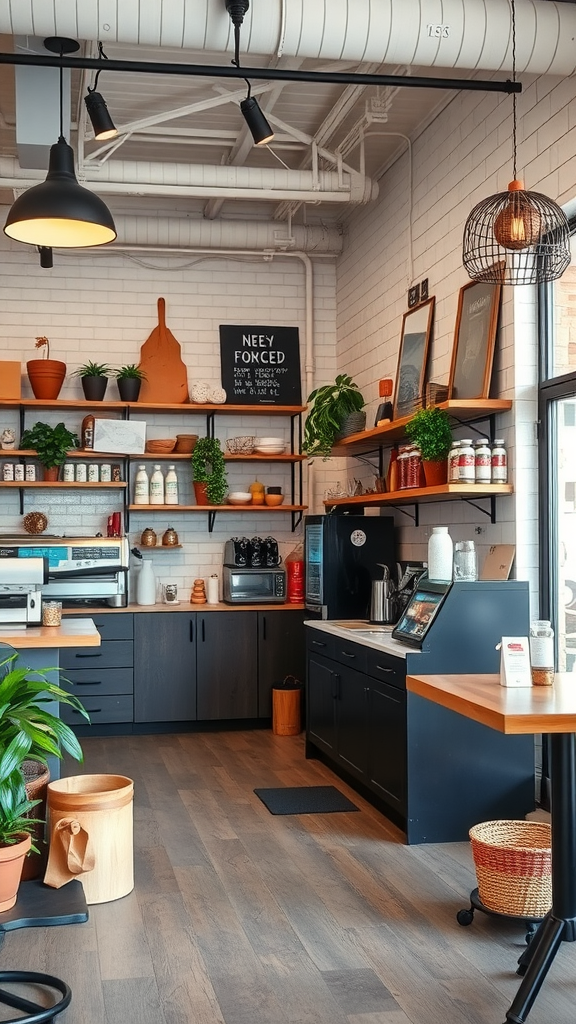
(46,377)
(200,493)
(94,388)
(436,472)
(11,864)
(50,473)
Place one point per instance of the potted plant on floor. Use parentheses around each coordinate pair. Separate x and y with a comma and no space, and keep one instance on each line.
(209,472)
(329,417)
(129,380)
(94,379)
(27,732)
(46,375)
(51,445)
(430,430)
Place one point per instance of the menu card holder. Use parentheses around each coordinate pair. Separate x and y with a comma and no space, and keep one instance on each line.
(515,661)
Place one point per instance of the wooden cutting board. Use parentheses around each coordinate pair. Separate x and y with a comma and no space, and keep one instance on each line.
(161,361)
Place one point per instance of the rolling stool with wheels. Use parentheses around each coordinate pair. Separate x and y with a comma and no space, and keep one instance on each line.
(34,1013)
(466,916)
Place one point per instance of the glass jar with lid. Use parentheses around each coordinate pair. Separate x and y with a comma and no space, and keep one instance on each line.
(482,461)
(453,468)
(499,462)
(466,471)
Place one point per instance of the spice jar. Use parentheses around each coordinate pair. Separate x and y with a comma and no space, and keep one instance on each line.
(148,538)
(542,652)
(170,537)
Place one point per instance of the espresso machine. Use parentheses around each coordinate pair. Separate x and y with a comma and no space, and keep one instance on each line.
(21,582)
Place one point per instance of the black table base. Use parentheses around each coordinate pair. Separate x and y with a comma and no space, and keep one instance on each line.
(560,924)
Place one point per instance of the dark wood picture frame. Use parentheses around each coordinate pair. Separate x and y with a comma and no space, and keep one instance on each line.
(412,358)
(474,340)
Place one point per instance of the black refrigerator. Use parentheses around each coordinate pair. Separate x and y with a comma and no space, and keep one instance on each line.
(342,556)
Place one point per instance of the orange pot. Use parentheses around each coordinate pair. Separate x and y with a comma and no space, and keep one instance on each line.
(46,377)
(200,493)
(11,864)
(436,472)
(50,473)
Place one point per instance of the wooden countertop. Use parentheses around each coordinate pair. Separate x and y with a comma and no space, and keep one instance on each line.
(72,633)
(186,606)
(512,710)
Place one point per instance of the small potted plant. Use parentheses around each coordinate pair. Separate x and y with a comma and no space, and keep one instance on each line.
(51,445)
(430,430)
(28,732)
(329,417)
(209,472)
(46,375)
(129,380)
(94,378)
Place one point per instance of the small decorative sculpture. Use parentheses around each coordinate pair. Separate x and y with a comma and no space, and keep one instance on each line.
(8,439)
(198,595)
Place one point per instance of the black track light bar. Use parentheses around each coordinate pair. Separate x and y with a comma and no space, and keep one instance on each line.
(263,74)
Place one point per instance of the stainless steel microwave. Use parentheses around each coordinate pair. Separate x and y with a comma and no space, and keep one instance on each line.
(245,586)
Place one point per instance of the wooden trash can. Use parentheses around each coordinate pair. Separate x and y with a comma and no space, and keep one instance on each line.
(91,835)
(286,701)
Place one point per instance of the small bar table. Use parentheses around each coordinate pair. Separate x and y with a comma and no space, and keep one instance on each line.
(534,709)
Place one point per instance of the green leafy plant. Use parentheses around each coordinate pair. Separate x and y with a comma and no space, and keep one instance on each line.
(51,444)
(208,467)
(91,369)
(430,429)
(28,731)
(129,372)
(332,403)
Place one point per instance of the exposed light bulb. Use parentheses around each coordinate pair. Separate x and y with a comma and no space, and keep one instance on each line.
(518,225)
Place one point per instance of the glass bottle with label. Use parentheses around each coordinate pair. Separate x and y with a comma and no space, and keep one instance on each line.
(171,487)
(466,470)
(157,486)
(482,461)
(453,468)
(542,652)
(141,487)
(499,462)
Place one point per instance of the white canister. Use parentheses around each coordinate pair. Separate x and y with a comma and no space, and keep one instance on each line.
(8,471)
(212,589)
(68,474)
(440,555)
(146,583)
(19,471)
(93,473)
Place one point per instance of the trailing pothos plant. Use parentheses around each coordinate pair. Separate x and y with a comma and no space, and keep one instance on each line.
(208,467)
(331,404)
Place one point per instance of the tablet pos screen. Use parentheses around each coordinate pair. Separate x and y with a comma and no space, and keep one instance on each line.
(420,612)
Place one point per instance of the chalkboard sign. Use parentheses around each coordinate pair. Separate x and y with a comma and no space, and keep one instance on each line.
(260,365)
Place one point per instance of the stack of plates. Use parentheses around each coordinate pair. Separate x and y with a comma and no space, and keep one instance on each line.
(270,445)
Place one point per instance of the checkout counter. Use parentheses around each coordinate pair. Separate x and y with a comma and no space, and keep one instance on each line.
(432,771)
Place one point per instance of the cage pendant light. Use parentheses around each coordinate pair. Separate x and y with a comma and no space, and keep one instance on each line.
(60,213)
(516,237)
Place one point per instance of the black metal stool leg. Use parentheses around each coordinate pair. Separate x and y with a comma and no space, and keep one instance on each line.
(545,944)
(35,1013)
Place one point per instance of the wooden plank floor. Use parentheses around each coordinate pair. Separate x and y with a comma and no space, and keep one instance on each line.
(242,917)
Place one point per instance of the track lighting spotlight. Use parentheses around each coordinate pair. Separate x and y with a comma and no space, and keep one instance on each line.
(46,257)
(102,123)
(60,213)
(257,123)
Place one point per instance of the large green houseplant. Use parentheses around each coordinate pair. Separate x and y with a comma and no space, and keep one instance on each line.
(209,471)
(28,731)
(331,405)
(430,430)
(51,444)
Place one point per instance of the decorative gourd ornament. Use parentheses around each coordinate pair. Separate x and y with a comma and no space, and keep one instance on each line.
(198,595)
(257,491)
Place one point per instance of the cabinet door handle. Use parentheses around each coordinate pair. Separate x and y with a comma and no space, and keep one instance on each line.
(318,643)
(335,685)
(346,654)
(93,711)
(203,631)
(191,631)
(89,682)
(99,655)
(263,627)
(381,668)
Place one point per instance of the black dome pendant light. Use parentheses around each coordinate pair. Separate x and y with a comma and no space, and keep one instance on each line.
(516,237)
(257,123)
(60,213)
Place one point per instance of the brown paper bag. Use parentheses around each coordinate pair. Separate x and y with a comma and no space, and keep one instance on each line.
(70,853)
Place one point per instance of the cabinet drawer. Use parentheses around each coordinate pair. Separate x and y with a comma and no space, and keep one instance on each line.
(343,651)
(318,642)
(387,668)
(110,654)
(92,681)
(101,709)
(111,626)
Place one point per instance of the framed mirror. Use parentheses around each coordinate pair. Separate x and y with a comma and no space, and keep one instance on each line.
(474,340)
(412,358)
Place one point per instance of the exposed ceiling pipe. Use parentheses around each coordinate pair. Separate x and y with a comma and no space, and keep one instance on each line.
(384,31)
(129,177)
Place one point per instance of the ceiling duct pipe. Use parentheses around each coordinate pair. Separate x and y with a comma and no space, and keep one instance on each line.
(470,34)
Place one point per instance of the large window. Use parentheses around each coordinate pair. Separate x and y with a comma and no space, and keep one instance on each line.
(557,415)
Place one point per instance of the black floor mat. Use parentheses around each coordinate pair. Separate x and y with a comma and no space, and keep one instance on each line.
(304,800)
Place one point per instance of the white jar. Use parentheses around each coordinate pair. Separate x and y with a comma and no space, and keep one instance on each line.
(80,472)
(105,473)
(157,487)
(440,555)
(453,467)
(146,583)
(8,471)
(68,474)
(499,463)
(171,487)
(93,473)
(482,461)
(466,473)
(141,487)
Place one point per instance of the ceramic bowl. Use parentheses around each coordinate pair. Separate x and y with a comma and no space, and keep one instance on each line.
(161,446)
(240,445)
(270,451)
(266,442)
(239,498)
(273,499)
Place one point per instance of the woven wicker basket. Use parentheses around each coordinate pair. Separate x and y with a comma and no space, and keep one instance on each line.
(513,861)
